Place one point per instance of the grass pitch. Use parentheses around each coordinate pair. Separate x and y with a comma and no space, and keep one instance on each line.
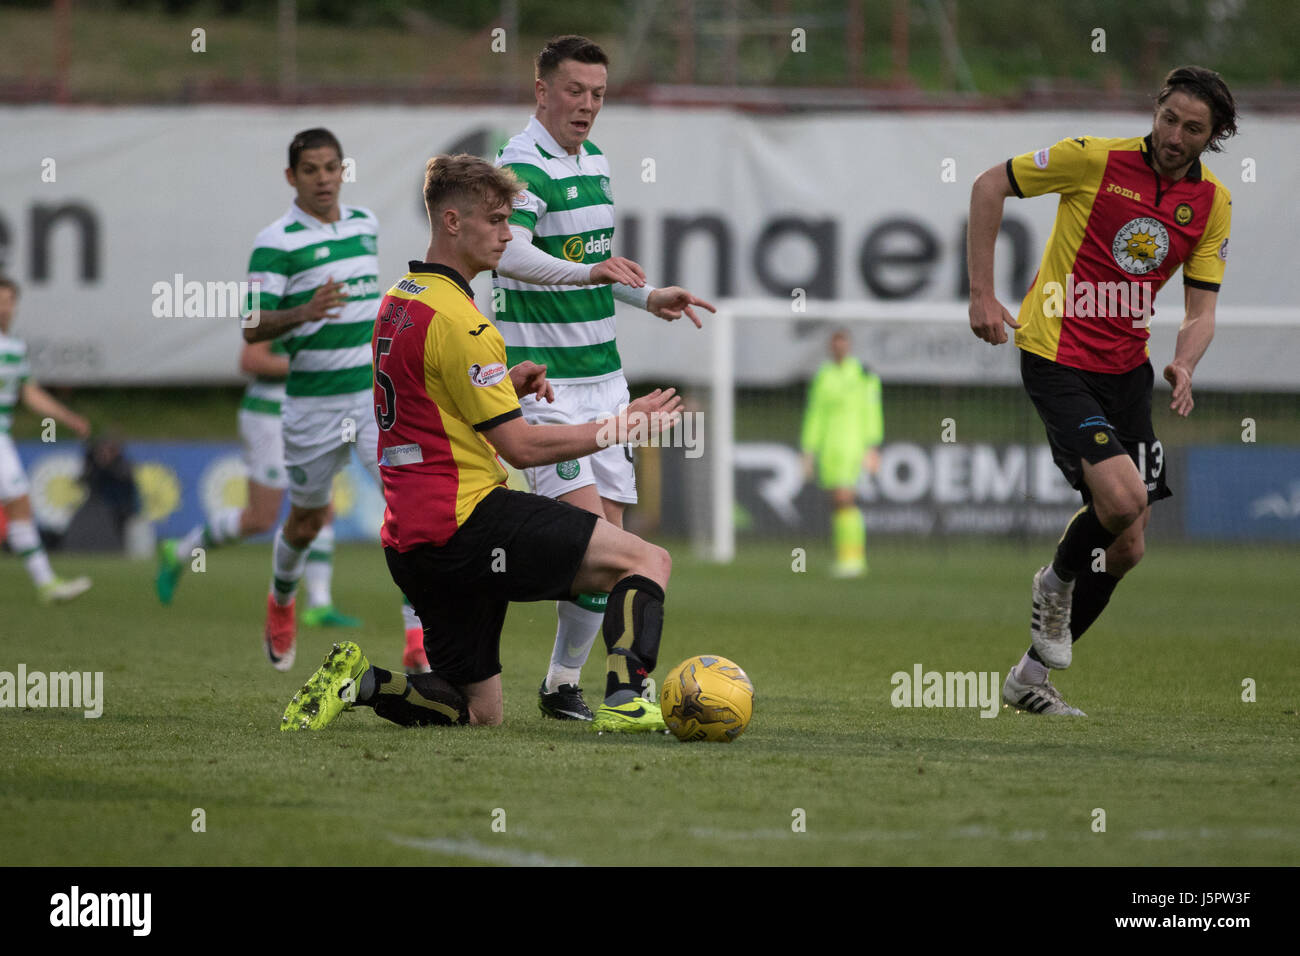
(1185,770)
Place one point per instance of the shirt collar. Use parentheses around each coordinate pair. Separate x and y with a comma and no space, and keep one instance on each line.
(302,217)
(437,268)
(1193,171)
(544,139)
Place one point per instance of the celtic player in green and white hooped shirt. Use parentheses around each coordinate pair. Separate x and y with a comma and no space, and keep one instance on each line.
(16,383)
(553,302)
(318,270)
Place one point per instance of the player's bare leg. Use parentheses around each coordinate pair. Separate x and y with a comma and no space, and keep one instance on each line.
(25,542)
(258,517)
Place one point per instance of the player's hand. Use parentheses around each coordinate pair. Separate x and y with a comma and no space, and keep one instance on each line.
(987,318)
(871,461)
(650,415)
(325,301)
(1181,379)
(671,301)
(809,461)
(617,269)
(529,378)
(79,425)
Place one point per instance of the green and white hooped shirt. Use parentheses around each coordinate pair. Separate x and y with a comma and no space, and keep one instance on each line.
(293,257)
(14,371)
(569,206)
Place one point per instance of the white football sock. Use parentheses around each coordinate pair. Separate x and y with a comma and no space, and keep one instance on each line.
(1030,671)
(25,541)
(320,568)
(574,636)
(223,527)
(286,569)
(410,620)
(1050,581)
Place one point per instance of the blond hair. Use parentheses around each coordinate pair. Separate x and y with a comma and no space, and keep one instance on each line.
(454,180)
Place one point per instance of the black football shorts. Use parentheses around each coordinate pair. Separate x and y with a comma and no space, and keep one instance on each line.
(1093,416)
(513,547)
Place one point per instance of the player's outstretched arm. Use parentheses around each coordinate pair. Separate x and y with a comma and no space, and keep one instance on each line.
(1193,339)
(526,446)
(47,406)
(988,317)
(524,262)
(671,301)
(273,323)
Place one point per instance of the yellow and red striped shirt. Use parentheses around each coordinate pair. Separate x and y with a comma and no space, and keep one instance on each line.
(440,382)
(1121,231)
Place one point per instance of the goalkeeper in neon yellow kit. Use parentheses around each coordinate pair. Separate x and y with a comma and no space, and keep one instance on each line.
(842,431)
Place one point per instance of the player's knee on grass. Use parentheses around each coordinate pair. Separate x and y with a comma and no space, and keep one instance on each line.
(484,703)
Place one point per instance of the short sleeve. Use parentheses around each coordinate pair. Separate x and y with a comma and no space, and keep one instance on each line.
(530,205)
(1053,169)
(269,268)
(1204,268)
(473,371)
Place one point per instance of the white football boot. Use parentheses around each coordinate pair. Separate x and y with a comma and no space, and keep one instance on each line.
(1049,624)
(1036,698)
(63,589)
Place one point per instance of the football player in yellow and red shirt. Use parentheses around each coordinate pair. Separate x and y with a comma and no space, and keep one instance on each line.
(1132,210)
(459,544)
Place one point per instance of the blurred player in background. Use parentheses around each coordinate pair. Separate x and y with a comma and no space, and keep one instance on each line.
(261,435)
(843,427)
(459,543)
(15,383)
(558,282)
(318,266)
(1132,210)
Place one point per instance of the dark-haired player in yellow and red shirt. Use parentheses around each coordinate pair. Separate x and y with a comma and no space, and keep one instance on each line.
(1132,210)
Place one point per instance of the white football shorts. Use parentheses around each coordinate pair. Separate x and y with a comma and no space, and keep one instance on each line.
(263,441)
(610,469)
(318,441)
(13,480)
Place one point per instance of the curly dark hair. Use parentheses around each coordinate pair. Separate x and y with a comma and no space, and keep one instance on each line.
(1208,87)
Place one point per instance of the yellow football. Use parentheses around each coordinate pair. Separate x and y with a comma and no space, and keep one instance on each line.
(707,698)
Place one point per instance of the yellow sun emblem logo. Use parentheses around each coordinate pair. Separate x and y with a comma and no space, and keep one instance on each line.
(1142,245)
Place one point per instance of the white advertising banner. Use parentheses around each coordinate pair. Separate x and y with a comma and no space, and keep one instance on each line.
(127,227)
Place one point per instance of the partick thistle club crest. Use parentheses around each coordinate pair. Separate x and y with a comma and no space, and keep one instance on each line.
(1140,245)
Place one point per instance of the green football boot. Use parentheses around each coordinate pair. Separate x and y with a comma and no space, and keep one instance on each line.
(329,691)
(637,716)
(327,615)
(169,570)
